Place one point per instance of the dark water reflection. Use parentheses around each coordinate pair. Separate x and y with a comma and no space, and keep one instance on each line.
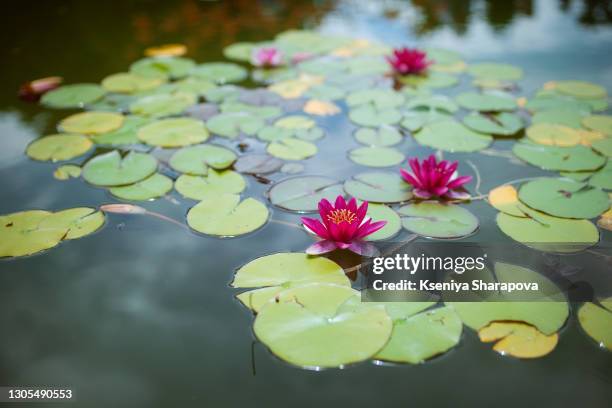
(139,314)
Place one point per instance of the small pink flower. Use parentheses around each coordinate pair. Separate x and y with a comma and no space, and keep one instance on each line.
(342,226)
(266,57)
(432,179)
(406,61)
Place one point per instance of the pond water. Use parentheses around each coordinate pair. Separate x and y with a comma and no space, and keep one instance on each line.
(141,314)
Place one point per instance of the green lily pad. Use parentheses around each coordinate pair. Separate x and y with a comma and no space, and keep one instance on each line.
(91,123)
(67,171)
(554,135)
(566,117)
(603,177)
(110,169)
(452,136)
(599,123)
(73,96)
(547,310)
(369,115)
(190,85)
(261,111)
(78,222)
(308,328)
(220,72)
(223,93)
(485,102)
(383,136)
(163,67)
(157,106)
(127,82)
(492,70)
(380,98)
(437,220)
(125,135)
(378,187)
(325,92)
(58,147)
(226,216)
(152,187)
(596,322)
(581,89)
(415,120)
(196,160)
(564,198)
(175,132)
(376,156)
(603,146)
(231,125)
(422,336)
(295,122)
(574,158)
(437,102)
(274,133)
(547,233)
(555,101)
(502,123)
(292,149)
(432,80)
(213,184)
(240,51)
(257,164)
(381,212)
(302,194)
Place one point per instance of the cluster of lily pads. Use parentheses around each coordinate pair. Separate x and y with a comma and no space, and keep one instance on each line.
(170,123)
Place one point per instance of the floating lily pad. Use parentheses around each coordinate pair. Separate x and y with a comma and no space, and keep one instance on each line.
(432,80)
(110,169)
(157,106)
(422,336)
(196,160)
(485,102)
(78,222)
(596,322)
(127,82)
(437,220)
(415,120)
(175,132)
(381,212)
(58,147)
(240,51)
(599,123)
(321,108)
(452,136)
(308,328)
(565,117)
(191,85)
(326,92)
(574,158)
(603,177)
(376,156)
(518,339)
(581,89)
(231,125)
(505,199)
(226,216)
(91,123)
(502,123)
(383,136)
(378,187)
(438,102)
(292,149)
(163,67)
(257,164)
(220,72)
(73,96)
(67,171)
(260,111)
(380,98)
(303,194)
(555,101)
(215,183)
(603,146)
(492,70)
(273,133)
(125,135)
(295,122)
(548,233)
(553,135)
(152,187)
(564,198)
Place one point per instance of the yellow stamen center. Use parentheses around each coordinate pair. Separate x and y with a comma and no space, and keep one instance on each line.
(338,216)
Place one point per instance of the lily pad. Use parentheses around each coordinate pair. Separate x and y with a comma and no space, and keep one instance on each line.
(308,328)
(599,123)
(382,137)
(231,125)
(240,51)
(564,198)
(553,135)
(110,169)
(260,111)
(422,336)
(152,187)
(379,98)
(581,89)
(163,67)
(125,135)
(492,70)
(67,171)
(381,212)
(502,123)
(215,183)
(292,149)
(574,158)
(518,339)
(175,132)
(226,216)
(127,82)
(485,102)
(603,177)
(79,222)
(196,160)
(378,187)
(437,220)
(257,164)
(157,106)
(369,115)
(73,96)
(452,136)
(376,156)
(295,122)
(302,194)
(220,72)
(325,92)
(273,133)
(437,102)
(565,117)
(91,123)
(415,120)
(596,322)
(58,147)
(505,199)
(433,80)
(603,146)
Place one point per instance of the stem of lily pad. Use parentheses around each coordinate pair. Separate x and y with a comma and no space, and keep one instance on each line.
(289,224)
(477,174)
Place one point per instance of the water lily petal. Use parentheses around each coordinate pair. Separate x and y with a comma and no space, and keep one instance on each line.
(459,181)
(315,227)
(363,248)
(321,247)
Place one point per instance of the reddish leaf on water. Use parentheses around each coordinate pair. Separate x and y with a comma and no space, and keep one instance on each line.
(33,90)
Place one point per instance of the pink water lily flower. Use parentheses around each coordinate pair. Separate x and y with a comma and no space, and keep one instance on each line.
(408,61)
(432,179)
(342,226)
(266,57)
